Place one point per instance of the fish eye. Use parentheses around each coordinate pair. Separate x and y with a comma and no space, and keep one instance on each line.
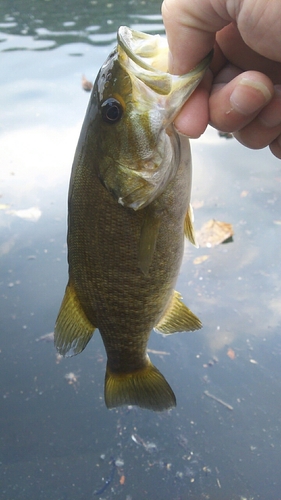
(111,110)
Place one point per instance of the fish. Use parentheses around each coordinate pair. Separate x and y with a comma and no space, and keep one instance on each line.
(128,214)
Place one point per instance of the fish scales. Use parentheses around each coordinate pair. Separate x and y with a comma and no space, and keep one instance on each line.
(128,211)
(116,295)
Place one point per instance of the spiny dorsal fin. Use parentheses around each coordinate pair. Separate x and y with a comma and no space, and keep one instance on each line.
(146,388)
(148,239)
(178,318)
(72,330)
(188,226)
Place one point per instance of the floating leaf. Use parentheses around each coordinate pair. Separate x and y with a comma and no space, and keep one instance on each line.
(244,193)
(231,353)
(213,233)
(197,204)
(201,259)
(86,84)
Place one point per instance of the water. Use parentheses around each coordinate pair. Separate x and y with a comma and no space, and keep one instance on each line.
(58,441)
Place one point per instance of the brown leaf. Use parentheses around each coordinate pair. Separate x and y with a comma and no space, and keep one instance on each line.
(213,233)
(231,353)
(244,193)
(86,84)
(202,258)
(197,204)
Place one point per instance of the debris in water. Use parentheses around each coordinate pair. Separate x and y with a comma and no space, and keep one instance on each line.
(211,362)
(86,84)
(243,194)
(231,354)
(213,233)
(48,337)
(223,403)
(160,353)
(72,379)
(108,480)
(253,361)
(59,358)
(202,258)
(149,446)
(119,462)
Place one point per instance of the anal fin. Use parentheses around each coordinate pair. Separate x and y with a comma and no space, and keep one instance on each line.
(178,318)
(73,330)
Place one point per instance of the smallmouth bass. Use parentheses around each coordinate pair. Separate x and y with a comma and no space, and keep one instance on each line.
(128,212)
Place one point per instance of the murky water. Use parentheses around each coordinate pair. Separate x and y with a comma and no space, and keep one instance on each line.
(58,441)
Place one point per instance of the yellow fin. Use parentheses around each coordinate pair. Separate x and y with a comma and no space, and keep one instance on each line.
(146,388)
(72,330)
(178,318)
(188,226)
(148,238)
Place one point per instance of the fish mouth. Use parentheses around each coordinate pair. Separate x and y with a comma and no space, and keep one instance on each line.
(146,56)
(150,52)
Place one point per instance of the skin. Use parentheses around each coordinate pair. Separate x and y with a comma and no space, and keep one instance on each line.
(241,93)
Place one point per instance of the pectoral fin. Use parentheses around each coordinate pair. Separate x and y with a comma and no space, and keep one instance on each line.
(148,239)
(73,330)
(178,318)
(188,226)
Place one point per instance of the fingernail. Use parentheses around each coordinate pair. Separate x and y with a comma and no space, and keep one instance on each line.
(271,116)
(240,100)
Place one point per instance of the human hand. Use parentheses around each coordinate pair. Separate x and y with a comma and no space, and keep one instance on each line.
(241,93)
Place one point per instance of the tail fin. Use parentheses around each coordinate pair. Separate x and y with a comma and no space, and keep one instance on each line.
(146,388)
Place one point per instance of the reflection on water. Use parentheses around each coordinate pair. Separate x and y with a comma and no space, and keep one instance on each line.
(38,25)
(58,440)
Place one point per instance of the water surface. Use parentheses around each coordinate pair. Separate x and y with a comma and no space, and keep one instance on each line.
(58,441)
